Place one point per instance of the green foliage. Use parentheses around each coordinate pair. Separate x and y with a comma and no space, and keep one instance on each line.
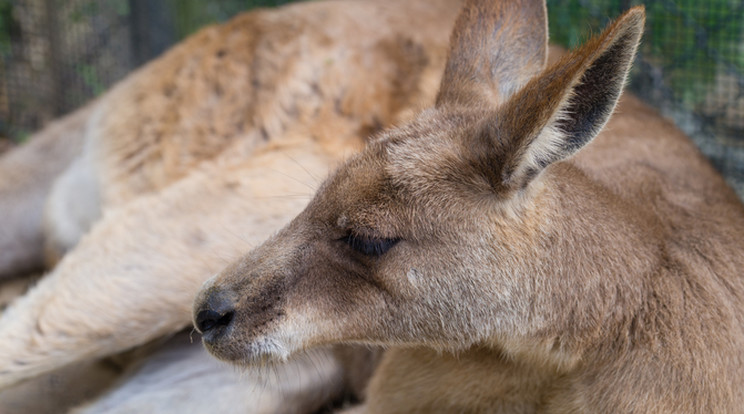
(573,21)
(84,11)
(90,77)
(190,15)
(121,7)
(8,27)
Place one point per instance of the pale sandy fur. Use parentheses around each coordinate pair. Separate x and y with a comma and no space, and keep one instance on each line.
(190,161)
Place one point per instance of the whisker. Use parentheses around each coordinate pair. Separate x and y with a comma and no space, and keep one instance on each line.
(316,179)
(295,179)
(305,196)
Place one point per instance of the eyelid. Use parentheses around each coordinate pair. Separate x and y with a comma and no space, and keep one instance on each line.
(369,246)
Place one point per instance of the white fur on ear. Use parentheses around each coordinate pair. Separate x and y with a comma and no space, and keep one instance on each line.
(547,145)
(563,109)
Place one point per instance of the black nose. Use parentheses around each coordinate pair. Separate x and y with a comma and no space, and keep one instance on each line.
(214,315)
(207,319)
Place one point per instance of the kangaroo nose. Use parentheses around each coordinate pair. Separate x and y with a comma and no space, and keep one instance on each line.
(207,319)
(214,316)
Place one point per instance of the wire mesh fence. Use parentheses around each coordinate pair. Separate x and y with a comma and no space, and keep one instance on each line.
(57,54)
(690,66)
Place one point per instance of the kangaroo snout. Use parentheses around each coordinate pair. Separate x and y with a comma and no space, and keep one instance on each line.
(213,314)
(237,310)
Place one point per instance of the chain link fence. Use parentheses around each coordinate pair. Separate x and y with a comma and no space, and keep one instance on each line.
(57,54)
(690,66)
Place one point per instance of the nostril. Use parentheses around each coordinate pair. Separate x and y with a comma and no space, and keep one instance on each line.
(213,313)
(208,319)
(225,319)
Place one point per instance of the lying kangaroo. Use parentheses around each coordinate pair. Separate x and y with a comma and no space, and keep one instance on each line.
(510,261)
(183,166)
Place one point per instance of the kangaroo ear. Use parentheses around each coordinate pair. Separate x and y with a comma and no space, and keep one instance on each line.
(495,48)
(564,108)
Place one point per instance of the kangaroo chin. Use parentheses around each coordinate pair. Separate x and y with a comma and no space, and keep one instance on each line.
(229,345)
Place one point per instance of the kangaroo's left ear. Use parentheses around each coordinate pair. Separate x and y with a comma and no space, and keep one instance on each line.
(562,109)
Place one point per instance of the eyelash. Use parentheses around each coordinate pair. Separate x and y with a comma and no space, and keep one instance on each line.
(367,246)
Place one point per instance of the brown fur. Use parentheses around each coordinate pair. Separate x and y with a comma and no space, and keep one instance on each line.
(510,261)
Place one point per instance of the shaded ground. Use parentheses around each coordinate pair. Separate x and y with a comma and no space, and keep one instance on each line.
(5,144)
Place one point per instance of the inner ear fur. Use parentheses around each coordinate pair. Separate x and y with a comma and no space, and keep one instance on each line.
(560,111)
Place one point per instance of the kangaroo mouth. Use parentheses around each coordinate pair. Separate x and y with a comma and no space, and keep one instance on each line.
(264,351)
(261,351)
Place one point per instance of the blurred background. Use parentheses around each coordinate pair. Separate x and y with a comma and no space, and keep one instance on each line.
(55,55)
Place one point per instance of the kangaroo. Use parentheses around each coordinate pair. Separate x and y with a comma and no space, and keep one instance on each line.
(27,175)
(190,161)
(510,256)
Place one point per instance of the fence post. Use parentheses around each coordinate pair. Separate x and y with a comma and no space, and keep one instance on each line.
(54,97)
(152,29)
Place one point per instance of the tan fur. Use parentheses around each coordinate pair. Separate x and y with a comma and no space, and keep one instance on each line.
(26,175)
(204,153)
(59,391)
(509,260)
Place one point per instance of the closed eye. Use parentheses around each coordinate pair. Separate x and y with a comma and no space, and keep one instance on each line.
(369,246)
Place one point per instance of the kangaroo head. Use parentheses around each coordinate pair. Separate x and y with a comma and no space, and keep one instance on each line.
(442,232)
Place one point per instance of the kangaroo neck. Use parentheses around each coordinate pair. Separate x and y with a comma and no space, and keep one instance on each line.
(595,251)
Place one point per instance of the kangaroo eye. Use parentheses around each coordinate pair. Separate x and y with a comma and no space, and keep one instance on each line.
(369,246)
